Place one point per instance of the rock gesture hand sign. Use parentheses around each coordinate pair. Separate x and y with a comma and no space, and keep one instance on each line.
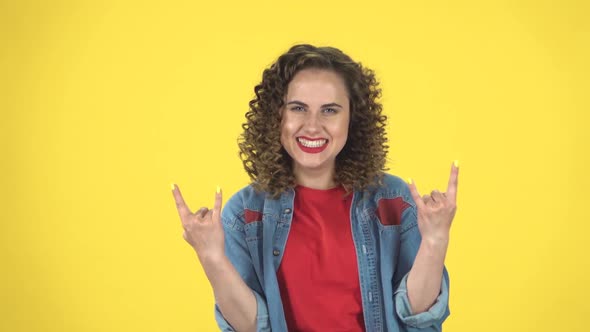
(437,210)
(202,229)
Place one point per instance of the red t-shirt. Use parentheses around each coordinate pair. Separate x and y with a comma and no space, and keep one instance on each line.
(318,276)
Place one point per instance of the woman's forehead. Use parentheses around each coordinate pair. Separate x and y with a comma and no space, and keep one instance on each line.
(316,85)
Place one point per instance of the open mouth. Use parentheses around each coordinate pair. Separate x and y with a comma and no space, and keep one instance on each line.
(312,145)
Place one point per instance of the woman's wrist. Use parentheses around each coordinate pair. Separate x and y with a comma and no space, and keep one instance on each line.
(434,245)
(212,261)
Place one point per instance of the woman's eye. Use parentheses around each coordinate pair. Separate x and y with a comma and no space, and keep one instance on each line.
(329,110)
(297,108)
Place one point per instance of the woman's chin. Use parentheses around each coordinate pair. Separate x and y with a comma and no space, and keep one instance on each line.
(313,165)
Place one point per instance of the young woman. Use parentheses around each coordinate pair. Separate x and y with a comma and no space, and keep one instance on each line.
(323,239)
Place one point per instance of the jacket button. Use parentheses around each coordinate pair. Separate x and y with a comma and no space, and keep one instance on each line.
(287,210)
(276,252)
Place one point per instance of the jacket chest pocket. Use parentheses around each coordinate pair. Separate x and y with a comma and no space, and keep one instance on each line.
(389,246)
(390,237)
(387,235)
(253,237)
(388,243)
(253,231)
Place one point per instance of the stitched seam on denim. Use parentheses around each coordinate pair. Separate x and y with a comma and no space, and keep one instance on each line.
(282,228)
(373,278)
(414,223)
(233,223)
(253,227)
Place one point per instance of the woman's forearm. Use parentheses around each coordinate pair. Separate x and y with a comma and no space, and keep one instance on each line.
(425,277)
(235,299)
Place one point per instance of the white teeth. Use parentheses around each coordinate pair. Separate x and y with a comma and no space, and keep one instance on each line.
(312,144)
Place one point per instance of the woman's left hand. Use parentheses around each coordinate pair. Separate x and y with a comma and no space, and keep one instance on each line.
(437,210)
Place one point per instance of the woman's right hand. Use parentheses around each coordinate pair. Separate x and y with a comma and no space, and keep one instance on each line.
(202,229)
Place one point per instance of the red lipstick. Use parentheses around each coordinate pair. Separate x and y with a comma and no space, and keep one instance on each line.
(312,149)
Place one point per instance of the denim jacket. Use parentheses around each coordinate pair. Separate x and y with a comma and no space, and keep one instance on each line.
(386,238)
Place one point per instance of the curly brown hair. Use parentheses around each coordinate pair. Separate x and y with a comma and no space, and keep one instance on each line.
(361,161)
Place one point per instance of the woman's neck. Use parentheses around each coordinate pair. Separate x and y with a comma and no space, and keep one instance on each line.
(315,179)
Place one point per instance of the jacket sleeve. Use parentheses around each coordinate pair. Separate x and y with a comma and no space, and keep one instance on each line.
(236,249)
(433,318)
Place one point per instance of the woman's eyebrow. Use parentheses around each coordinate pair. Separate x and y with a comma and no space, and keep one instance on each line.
(297,102)
(300,103)
(331,105)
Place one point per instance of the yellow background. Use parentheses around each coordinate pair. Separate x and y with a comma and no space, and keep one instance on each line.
(104,103)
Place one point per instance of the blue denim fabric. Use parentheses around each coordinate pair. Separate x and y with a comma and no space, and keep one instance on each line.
(385,254)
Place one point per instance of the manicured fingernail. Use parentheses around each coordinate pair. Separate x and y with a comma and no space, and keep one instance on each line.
(218,189)
(172,186)
(410,180)
(456,162)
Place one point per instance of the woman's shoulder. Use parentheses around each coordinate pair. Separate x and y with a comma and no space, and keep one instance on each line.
(393,181)
(390,186)
(243,200)
(248,193)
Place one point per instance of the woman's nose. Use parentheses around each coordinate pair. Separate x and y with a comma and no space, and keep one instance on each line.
(312,122)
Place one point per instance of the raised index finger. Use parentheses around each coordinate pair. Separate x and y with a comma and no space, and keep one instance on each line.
(453,182)
(183,210)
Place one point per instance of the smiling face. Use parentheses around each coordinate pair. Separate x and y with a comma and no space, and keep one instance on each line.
(315,118)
